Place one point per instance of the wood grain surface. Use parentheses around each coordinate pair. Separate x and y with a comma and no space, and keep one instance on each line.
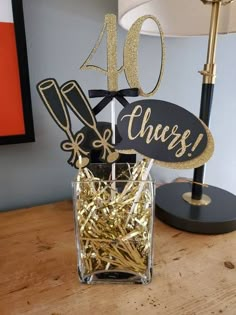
(193,274)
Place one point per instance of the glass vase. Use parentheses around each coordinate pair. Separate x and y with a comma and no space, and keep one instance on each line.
(113,225)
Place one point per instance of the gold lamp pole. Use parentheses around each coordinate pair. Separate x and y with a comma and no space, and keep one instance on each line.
(209,75)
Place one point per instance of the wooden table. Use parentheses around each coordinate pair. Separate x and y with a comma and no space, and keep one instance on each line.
(193,274)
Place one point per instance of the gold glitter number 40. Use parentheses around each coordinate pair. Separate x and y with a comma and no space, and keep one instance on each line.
(130,66)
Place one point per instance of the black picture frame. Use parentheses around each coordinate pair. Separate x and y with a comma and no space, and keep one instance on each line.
(19,28)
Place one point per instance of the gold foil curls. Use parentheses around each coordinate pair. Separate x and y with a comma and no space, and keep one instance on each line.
(106,243)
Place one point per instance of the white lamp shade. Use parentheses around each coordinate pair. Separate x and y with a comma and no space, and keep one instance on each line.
(177,17)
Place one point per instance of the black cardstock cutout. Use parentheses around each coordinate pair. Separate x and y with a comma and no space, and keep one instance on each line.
(56,99)
(96,154)
(166,115)
(79,104)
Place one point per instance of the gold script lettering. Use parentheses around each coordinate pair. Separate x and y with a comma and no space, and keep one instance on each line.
(151,133)
(137,112)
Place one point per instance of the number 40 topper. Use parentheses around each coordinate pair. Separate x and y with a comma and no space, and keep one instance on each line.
(130,62)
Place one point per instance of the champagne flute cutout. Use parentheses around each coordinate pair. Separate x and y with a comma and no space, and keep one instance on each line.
(49,92)
(81,107)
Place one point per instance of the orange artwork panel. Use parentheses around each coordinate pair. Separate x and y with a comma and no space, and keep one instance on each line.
(16,119)
(11,110)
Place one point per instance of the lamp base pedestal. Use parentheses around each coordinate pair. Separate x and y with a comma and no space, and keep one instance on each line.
(217,217)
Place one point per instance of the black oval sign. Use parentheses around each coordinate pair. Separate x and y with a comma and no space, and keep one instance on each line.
(166,132)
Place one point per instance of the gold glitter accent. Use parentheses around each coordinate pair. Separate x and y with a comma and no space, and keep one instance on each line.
(112,73)
(110,25)
(197,161)
(130,64)
(131,54)
(73,145)
(103,143)
(105,243)
(193,163)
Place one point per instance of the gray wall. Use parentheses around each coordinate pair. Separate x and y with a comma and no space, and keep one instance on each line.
(60,35)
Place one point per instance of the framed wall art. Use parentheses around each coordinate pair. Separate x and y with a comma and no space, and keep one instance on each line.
(16,120)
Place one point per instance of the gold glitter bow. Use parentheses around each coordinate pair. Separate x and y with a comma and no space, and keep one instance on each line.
(103,142)
(74,145)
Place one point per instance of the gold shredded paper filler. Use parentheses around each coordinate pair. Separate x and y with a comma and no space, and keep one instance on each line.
(106,241)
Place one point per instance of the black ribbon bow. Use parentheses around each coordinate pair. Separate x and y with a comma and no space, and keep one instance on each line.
(109,95)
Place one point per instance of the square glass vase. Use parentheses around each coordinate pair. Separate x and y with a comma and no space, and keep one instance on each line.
(113,225)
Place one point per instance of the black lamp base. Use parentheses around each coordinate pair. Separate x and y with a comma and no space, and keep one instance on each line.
(218,217)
